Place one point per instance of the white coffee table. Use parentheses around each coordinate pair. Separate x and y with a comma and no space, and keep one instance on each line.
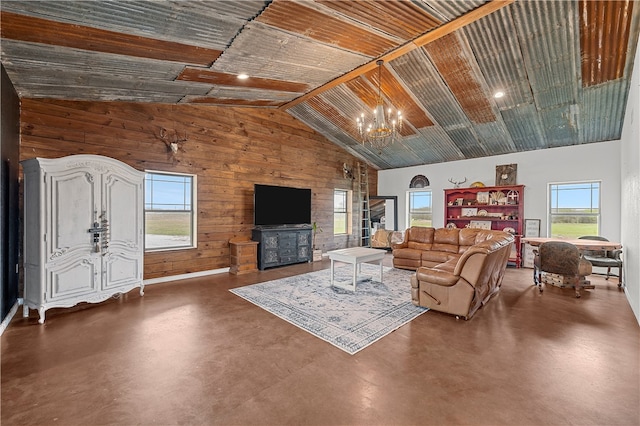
(355,256)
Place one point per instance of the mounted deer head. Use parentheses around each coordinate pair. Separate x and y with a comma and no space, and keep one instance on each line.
(456,184)
(172,140)
(347,171)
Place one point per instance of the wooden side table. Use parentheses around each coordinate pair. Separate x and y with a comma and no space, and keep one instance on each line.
(244,256)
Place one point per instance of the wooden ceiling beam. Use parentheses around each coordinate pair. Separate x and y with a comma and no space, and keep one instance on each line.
(416,43)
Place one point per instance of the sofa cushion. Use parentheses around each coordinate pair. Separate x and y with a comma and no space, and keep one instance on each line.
(419,234)
(436,256)
(408,253)
(445,240)
(466,238)
(448,266)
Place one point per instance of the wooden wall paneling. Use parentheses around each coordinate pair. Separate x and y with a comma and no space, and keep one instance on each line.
(229,149)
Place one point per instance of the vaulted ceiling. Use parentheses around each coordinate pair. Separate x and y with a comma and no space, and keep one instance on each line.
(564,66)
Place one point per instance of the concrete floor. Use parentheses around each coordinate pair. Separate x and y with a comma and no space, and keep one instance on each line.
(190,352)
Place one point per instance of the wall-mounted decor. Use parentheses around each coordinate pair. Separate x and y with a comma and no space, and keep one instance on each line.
(419,181)
(347,171)
(457,183)
(506,174)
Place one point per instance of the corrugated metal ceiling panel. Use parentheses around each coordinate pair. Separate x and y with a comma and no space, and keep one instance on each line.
(604,35)
(405,20)
(420,76)
(525,127)
(211,24)
(602,112)
(329,29)
(500,58)
(450,10)
(462,77)
(279,55)
(550,50)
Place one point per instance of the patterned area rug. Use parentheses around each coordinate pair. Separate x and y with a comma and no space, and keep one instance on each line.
(350,321)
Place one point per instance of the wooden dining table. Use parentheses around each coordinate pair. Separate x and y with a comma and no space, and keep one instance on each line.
(581,244)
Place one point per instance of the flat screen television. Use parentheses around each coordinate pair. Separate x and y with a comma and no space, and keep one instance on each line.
(281,205)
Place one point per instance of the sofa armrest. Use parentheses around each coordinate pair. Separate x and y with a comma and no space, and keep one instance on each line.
(436,276)
(404,243)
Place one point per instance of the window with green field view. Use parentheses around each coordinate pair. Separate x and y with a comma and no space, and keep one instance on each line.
(574,209)
(169,211)
(420,212)
(341,211)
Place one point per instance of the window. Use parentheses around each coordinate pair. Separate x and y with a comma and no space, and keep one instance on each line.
(420,213)
(574,209)
(341,211)
(169,211)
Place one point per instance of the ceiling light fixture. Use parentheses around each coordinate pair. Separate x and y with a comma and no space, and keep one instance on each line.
(242,76)
(498,94)
(381,129)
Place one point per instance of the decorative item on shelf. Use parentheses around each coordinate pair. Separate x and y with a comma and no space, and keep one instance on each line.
(469,211)
(480,224)
(482,213)
(419,181)
(459,201)
(477,184)
(451,225)
(457,183)
(482,197)
(506,174)
(382,130)
(513,197)
(496,196)
(510,230)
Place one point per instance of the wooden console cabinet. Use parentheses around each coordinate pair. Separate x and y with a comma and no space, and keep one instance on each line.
(491,207)
(282,246)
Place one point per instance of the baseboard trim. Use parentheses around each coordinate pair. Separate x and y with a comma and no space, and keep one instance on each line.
(12,312)
(185,276)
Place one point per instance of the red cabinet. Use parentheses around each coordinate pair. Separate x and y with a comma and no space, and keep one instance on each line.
(491,207)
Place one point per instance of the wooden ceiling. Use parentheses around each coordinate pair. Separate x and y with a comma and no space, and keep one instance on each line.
(564,66)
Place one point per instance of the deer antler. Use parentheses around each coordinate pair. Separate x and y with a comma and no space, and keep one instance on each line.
(457,183)
(172,140)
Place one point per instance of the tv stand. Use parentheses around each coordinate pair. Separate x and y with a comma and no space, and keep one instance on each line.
(282,245)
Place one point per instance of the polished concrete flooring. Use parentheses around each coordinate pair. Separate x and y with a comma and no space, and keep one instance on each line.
(191,352)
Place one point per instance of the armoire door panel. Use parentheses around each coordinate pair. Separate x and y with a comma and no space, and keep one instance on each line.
(120,271)
(122,195)
(71,279)
(73,202)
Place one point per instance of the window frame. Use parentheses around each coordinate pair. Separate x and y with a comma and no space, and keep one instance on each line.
(550,203)
(193,241)
(348,211)
(409,203)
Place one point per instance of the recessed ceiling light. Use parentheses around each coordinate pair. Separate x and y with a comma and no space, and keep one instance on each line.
(498,95)
(242,76)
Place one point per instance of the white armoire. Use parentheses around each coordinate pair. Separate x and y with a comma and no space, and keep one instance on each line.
(84,231)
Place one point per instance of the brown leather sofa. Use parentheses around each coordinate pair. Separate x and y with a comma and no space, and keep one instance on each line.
(457,270)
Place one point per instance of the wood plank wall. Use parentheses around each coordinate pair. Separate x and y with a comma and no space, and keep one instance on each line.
(229,149)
